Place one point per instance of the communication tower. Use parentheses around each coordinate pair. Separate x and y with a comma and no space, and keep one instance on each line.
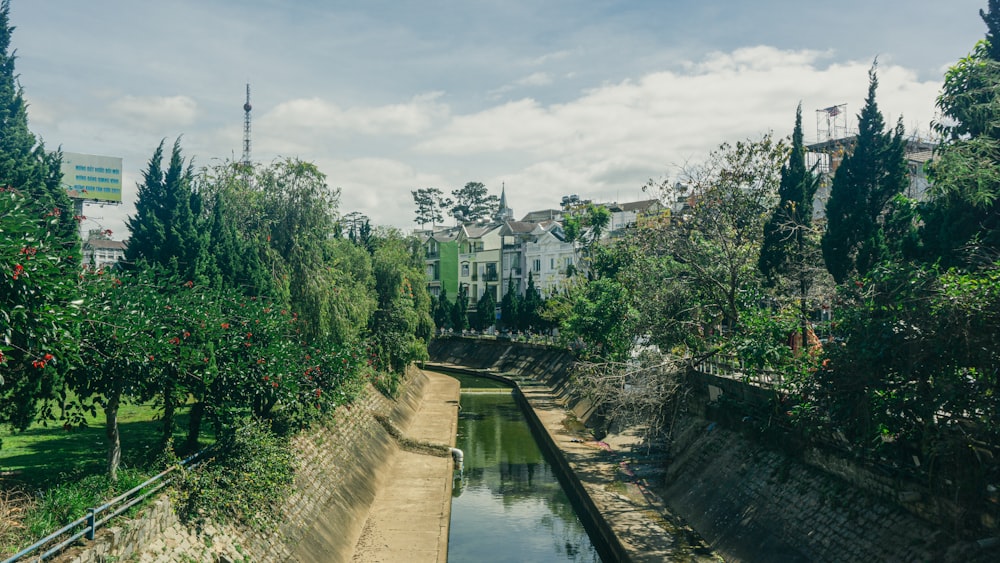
(246,128)
(831,123)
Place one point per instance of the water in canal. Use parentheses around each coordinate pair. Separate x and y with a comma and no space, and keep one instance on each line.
(508,505)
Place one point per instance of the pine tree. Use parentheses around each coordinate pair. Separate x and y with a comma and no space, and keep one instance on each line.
(865,183)
(472,202)
(532,305)
(25,165)
(166,229)
(790,246)
(510,306)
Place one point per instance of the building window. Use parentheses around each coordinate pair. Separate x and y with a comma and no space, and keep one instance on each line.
(465,270)
(552,263)
(536,266)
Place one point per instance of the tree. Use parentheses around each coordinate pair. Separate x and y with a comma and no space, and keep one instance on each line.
(401,325)
(166,229)
(431,204)
(790,248)
(962,219)
(39,305)
(39,256)
(442,310)
(472,203)
(459,314)
(717,242)
(486,310)
(531,306)
(863,186)
(511,306)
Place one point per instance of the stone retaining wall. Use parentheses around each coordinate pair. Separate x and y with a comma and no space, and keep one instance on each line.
(339,470)
(751,503)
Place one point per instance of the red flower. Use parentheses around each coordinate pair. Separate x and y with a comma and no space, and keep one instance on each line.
(186,334)
(275,384)
(150,358)
(189,283)
(18,270)
(225,325)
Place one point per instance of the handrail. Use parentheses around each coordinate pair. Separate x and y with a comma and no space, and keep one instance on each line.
(91,519)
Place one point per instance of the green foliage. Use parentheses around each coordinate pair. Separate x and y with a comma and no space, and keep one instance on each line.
(472,203)
(717,242)
(917,374)
(71,499)
(252,472)
(430,204)
(485,311)
(401,325)
(511,306)
(604,318)
(961,221)
(441,308)
(459,316)
(863,185)
(165,229)
(39,305)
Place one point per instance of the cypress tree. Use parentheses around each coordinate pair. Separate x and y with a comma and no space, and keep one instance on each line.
(25,165)
(165,229)
(790,247)
(863,186)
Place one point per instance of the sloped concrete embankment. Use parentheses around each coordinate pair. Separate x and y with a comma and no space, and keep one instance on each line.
(341,466)
(747,501)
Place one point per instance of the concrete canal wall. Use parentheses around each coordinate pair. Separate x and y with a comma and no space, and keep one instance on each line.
(749,502)
(341,466)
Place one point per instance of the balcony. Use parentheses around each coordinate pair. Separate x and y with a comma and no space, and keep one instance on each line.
(490,277)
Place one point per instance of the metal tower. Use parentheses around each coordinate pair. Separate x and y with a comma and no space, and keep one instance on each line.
(246,128)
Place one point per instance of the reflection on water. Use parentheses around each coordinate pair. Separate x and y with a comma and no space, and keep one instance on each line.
(508,505)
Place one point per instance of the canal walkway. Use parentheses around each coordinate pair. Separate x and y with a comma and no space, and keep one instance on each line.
(410,516)
(632,514)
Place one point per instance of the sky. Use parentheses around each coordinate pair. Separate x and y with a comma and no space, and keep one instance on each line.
(544,99)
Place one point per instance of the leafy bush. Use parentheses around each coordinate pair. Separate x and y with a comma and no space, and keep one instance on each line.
(251,473)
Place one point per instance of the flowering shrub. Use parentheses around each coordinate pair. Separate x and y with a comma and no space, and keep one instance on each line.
(39,303)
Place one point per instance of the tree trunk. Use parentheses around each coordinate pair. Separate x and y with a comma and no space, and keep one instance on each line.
(168,413)
(111,430)
(194,426)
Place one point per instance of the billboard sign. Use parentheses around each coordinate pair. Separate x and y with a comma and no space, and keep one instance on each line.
(92,178)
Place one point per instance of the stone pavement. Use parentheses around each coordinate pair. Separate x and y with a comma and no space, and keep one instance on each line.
(409,519)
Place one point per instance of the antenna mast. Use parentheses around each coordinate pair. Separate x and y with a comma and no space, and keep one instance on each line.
(246,128)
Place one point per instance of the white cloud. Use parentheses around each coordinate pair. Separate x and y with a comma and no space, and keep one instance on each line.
(156,111)
(609,140)
(410,118)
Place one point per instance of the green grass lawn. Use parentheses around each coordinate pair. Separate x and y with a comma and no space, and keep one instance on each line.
(43,455)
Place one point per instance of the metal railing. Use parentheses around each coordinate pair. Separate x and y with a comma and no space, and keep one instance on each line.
(100,515)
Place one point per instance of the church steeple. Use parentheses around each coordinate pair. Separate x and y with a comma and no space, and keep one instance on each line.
(504,213)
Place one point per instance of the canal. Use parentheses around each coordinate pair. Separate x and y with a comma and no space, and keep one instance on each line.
(508,504)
